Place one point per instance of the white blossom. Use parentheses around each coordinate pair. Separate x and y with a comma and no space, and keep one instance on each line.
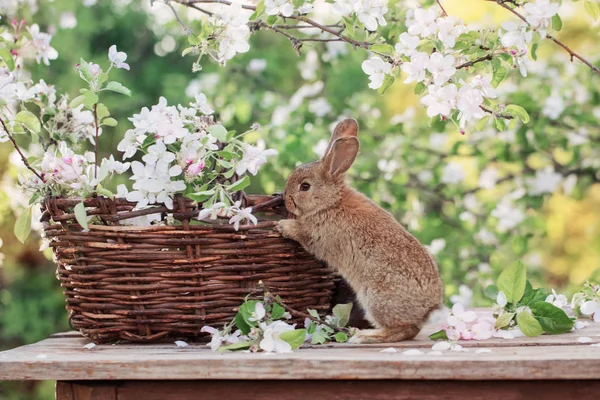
(440,100)
(441,67)
(407,44)
(424,23)
(41,43)
(117,58)
(488,178)
(276,7)
(377,69)
(453,173)
(554,105)
(416,67)
(254,157)
(545,181)
(272,341)
(508,216)
(539,14)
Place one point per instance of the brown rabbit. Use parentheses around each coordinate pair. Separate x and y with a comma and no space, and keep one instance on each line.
(395,279)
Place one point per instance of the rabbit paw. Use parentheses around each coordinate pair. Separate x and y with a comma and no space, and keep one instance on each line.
(288,228)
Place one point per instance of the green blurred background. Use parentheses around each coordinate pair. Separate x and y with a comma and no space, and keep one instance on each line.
(562,240)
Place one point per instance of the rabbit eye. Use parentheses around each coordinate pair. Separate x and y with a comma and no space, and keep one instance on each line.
(304,187)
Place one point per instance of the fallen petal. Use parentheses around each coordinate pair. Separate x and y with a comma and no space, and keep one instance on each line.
(389,350)
(89,346)
(440,346)
(181,343)
(584,339)
(412,352)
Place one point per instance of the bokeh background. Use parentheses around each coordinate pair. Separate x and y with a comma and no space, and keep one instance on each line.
(403,165)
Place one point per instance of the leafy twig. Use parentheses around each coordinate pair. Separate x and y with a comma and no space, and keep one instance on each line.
(468,64)
(306,315)
(16,146)
(96,141)
(573,54)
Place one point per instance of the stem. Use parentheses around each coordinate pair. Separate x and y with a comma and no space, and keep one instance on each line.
(187,30)
(444,13)
(306,315)
(96,141)
(558,42)
(471,63)
(40,176)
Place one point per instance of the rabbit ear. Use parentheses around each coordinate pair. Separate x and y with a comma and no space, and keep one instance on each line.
(341,155)
(346,128)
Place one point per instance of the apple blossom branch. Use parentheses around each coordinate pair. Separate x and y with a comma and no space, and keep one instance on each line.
(330,29)
(16,146)
(573,54)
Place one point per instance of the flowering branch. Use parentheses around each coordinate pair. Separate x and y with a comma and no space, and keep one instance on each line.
(444,13)
(572,53)
(96,127)
(296,42)
(16,146)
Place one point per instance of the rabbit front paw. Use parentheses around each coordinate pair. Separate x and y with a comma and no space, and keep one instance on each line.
(288,228)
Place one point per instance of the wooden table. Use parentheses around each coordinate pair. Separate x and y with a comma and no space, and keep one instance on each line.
(548,367)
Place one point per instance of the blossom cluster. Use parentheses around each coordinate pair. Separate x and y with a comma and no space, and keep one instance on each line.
(262,326)
(184,150)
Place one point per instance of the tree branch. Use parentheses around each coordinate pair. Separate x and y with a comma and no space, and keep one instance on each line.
(444,13)
(558,42)
(16,146)
(487,57)
(279,29)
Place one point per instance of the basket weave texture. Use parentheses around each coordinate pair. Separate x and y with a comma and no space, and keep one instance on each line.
(144,284)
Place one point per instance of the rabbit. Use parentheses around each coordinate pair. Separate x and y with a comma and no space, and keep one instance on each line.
(395,279)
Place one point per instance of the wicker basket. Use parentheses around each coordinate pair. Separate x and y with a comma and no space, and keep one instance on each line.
(143,284)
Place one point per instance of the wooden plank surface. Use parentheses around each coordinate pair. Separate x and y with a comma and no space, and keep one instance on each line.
(347,390)
(63,357)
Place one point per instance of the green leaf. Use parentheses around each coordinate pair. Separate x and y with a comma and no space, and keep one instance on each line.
(499,73)
(552,319)
(8,58)
(491,292)
(592,9)
(119,88)
(341,337)
(260,10)
(109,122)
(295,338)
(528,324)
(105,192)
(271,19)
(387,82)
(187,51)
(29,120)
(528,293)
(504,319)
(235,346)
(342,313)
(512,282)
(439,335)
(277,311)
(517,111)
(101,111)
(201,196)
(89,99)
(193,39)
(77,101)
(103,173)
(218,131)
(382,48)
(482,123)
(534,49)
(102,77)
(241,324)
(23,225)
(80,215)
(556,22)
(314,313)
(500,124)
(239,185)
(419,88)
(319,337)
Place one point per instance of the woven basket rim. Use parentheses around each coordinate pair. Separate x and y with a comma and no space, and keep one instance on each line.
(184,210)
